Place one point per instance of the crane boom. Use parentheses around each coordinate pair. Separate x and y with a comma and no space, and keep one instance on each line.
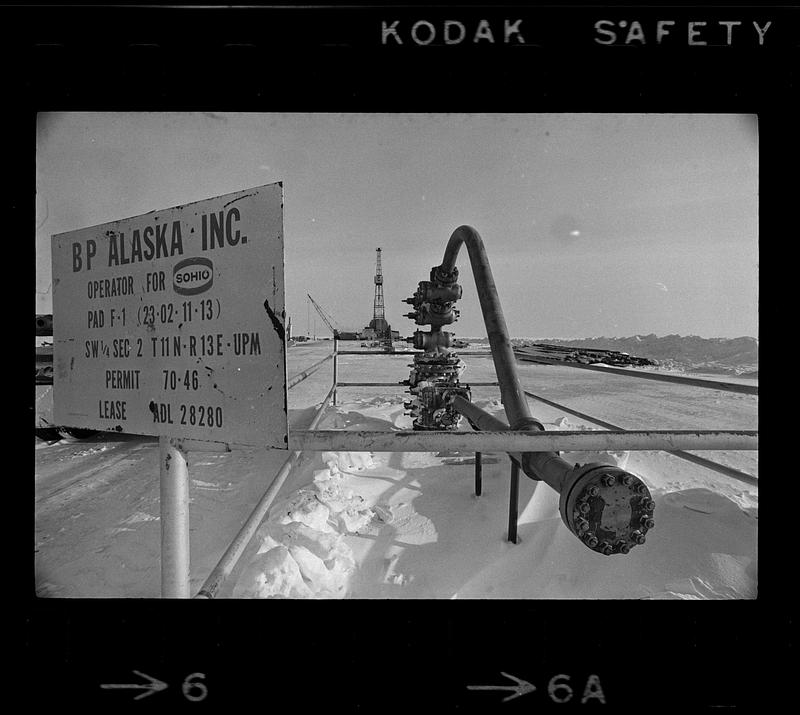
(325,318)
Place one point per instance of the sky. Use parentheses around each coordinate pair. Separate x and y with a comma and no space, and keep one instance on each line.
(594,224)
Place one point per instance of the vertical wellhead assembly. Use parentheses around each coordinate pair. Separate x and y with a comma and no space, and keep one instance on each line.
(609,509)
(435,372)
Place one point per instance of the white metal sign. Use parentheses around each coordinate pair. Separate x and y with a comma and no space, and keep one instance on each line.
(172,323)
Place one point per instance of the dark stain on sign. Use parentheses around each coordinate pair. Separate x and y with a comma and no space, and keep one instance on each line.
(277,326)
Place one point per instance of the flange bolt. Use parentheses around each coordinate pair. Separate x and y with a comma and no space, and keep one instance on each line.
(591,541)
(609,480)
(638,537)
(624,547)
(648,504)
(648,521)
(593,490)
(584,508)
(627,480)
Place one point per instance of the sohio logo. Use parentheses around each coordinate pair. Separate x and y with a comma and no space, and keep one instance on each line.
(192,276)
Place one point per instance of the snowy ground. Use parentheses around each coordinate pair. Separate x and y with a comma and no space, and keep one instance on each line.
(406,525)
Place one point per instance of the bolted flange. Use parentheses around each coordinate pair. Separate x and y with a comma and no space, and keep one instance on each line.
(608,508)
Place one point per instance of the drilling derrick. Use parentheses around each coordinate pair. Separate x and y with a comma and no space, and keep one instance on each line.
(378,327)
(378,312)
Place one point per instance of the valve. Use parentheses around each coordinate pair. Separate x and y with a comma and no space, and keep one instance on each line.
(609,509)
(433,409)
(433,302)
(434,377)
(430,342)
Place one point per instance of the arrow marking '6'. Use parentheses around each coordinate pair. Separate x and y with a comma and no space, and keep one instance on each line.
(153,686)
(523,687)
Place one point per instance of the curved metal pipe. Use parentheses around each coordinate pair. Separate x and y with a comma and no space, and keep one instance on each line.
(584,491)
(545,466)
(514,402)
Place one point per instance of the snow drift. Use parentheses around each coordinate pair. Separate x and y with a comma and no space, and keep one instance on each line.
(409,526)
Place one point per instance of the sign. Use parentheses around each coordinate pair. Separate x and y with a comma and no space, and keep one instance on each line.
(172,323)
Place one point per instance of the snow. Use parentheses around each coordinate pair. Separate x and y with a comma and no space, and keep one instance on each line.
(407,525)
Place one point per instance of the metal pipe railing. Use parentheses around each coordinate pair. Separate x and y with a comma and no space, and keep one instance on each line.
(677,379)
(485,353)
(721,468)
(300,376)
(377,352)
(230,558)
(516,441)
(403,383)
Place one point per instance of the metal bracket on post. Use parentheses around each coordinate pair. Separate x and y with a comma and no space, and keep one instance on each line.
(513,503)
(478,473)
(174,476)
(335,367)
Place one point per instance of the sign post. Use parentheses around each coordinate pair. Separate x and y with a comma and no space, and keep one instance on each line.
(172,324)
(174,476)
